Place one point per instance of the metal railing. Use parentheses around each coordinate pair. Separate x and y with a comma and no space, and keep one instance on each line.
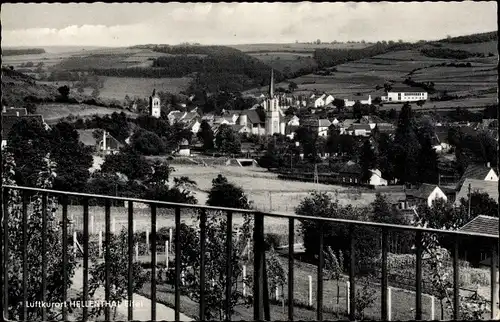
(261,310)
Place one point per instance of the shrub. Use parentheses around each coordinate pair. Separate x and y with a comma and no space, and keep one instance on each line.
(272,240)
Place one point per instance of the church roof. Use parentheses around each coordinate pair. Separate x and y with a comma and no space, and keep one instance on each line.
(252,116)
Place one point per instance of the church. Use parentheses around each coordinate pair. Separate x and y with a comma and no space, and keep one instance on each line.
(154,105)
(274,121)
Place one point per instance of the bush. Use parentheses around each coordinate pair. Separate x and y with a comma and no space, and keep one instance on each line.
(272,240)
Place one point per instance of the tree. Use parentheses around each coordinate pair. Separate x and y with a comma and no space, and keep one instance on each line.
(30,107)
(206,135)
(35,235)
(368,160)
(147,143)
(357,110)
(292,86)
(227,141)
(160,174)
(64,92)
(428,162)
(226,194)
(406,147)
(127,162)
(480,204)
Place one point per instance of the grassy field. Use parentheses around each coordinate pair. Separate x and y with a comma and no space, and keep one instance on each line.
(297,47)
(52,112)
(118,87)
(286,61)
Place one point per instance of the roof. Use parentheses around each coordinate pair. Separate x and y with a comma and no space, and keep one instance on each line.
(324,123)
(474,171)
(371,119)
(253,116)
(482,225)
(405,89)
(87,137)
(351,167)
(365,127)
(489,187)
(190,116)
(8,121)
(423,191)
(236,127)
(15,111)
(291,128)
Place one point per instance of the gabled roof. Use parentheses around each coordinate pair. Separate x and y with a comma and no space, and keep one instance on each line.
(8,121)
(351,167)
(236,127)
(365,127)
(422,192)
(474,171)
(406,89)
(291,128)
(324,123)
(87,137)
(483,225)
(489,187)
(366,119)
(252,116)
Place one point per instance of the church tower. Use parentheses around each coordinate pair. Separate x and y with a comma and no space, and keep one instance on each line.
(271,107)
(154,105)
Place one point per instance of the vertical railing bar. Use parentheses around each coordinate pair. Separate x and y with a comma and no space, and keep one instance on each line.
(130,281)
(44,254)
(258,281)
(25,260)
(418,296)
(456,300)
(153,262)
(291,248)
(107,256)
(65,253)
(6,251)
(384,275)
(319,309)
(494,285)
(202,263)
(177,262)
(352,267)
(229,251)
(85,257)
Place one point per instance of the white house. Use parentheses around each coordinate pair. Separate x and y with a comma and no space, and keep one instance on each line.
(426,193)
(404,94)
(184,149)
(349,103)
(323,100)
(294,120)
(478,172)
(359,130)
(376,178)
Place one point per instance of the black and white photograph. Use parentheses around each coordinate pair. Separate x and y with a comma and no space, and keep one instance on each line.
(235,161)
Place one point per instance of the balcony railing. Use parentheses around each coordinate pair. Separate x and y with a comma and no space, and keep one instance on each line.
(261,309)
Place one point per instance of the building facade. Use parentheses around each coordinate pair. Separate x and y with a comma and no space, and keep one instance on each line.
(154,105)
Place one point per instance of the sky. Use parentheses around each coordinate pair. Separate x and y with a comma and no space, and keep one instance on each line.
(125,24)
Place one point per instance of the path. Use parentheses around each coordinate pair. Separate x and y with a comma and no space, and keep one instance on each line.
(142,305)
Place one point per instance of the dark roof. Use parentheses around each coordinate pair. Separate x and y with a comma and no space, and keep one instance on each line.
(252,116)
(474,171)
(406,89)
(482,225)
(489,187)
(291,128)
(15,111)
(370,119)
(351,168)
(422,192)
(87,137)
(236,127)
(8,121)
(365,127)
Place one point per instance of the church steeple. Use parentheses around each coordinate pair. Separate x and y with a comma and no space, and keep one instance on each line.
(271,84)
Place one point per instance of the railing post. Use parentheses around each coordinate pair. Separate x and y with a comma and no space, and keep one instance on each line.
(131,235)
(203,237)
(177,262)
(352,271)
(456,303)
(85,256)
(260,294)
(107,255)
(319,299)
(65,254)
(418,286)
(291,248)
(5,262)
(25,260)
(153,262)
(494,287)
(385,283)
(229,263)
(44,253)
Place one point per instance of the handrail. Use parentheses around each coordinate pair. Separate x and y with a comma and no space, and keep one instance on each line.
(256,212)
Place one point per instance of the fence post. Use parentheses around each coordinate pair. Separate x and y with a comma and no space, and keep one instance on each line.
(244,278)
(113,225)
(389,303)
(348,296)
(134,226)
(277,290)
(166,254)
(432,308)
(92,224)
(100,243)
(147,240)
(74,242)
(137,251)
(156,258)
(170,239)
(310,291)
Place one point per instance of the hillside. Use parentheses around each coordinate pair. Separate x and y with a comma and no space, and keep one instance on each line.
(20,90)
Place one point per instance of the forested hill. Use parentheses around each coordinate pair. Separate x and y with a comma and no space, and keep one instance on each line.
(213,68)
(472,39)
(22,51)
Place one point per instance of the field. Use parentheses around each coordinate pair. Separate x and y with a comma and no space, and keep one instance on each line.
(286,61)
(118,87)
(297,47)
(52,112)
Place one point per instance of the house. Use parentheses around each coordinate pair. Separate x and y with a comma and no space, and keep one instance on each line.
(253,121)
(351,173)
(404,94)
(478,172)
(237,128)
(376,178)
(359,130)
(107,144)
(425,194)
(12,111)
(209,118)
(373,121)
(489,187)
(477,250)
(184,148)
(292,120)
(323,100)
(194,126)
(290,131)
(8,122)
(441,140)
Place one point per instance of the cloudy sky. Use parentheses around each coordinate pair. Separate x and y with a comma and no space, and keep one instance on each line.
(126,24)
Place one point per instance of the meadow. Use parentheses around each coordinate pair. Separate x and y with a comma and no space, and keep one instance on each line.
(53,112)
(118,87)
(296,47)
(286,61)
